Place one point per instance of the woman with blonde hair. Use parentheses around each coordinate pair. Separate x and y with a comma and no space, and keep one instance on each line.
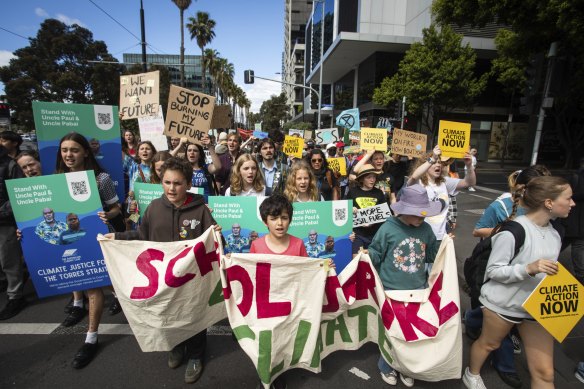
(510,279)
(301,184)
(246,178)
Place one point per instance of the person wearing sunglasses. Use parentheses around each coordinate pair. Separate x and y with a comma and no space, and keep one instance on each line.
(326,182)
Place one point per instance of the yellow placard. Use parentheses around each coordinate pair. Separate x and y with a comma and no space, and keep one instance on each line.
(293,146)
(454,138)
(338,164)
(555,303)
(374,139)
(409,143)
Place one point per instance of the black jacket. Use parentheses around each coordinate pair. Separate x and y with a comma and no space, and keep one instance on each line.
(574,223)
(9,169)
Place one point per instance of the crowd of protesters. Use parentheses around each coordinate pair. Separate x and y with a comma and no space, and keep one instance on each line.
(421,194)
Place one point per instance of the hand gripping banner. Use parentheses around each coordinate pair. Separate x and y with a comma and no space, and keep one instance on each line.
(169,291)
(275,304)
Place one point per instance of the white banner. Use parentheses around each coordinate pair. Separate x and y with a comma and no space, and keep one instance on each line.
(372,215)
(273,303)
(152,128)
(169,291)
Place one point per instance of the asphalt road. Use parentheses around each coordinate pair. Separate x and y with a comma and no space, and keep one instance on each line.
(36,353)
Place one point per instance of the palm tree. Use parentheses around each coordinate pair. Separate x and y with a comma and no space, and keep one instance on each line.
(210,60)
(225,74)
(182,6)
(202,29)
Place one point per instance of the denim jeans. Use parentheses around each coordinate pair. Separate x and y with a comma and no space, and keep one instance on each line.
(503,357)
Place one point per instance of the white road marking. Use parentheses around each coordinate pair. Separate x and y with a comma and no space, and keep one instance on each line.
(104,329)
(489,190)
(479,211)
(359,373)
(479,196)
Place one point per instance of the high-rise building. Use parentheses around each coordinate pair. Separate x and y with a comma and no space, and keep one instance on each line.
(296,16)
(364,42)
(193,71)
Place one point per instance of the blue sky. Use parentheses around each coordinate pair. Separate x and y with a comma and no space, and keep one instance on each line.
(250,34)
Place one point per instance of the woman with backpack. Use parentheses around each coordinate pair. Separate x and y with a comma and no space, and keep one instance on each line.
(496,213)
(510,279)
(325,178)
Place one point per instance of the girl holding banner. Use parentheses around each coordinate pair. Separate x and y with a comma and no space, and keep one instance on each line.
(74,155)
(246,178)
(139,169)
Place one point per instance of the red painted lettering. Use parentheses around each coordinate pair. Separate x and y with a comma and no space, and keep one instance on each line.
(169,277)
(238,273)
(143,264)
(204,259)
(265,307)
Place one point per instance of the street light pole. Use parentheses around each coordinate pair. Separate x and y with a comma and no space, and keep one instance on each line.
(289,83)
(321,59)
(143,29)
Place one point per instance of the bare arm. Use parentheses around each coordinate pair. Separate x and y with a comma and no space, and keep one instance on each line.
(482,232)
(215,166)
(178,148)
(423,168)
(360,164)
(470,178)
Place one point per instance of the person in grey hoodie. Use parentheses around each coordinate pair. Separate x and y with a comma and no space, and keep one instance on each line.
(510,279)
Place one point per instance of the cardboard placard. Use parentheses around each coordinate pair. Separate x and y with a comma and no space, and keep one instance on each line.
(372,215)
(409,143)
(555,303)
(454,138)
(295,132)
(221,116)
(338,164)
(374,139)
(189,114)
(326,136)
(152,129)
(293,146)
(139,95)
(307,134)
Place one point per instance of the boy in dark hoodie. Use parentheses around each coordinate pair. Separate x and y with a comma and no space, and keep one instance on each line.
(177,215)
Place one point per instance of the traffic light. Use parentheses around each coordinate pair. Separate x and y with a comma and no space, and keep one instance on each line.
(248,76)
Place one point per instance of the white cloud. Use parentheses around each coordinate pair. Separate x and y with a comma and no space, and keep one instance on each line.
(41,13)
(261,91)
(68,21)
(5,57)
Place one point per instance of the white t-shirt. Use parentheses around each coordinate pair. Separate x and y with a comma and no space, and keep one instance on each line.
(438,222)
(251,192)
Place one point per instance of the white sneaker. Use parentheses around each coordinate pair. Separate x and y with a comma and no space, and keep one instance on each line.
(472,381)
(390,378)
(408,381)
(471,189)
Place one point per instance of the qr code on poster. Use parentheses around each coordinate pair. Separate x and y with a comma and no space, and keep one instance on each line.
(340,214)
(104,118)
(79,188)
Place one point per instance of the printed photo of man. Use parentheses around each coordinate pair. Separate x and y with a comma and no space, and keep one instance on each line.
(236,242)
(74,233)
(329,249)
(313,247)
(50,229)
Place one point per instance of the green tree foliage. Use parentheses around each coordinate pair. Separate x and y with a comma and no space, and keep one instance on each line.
(202,29)
(436,76)
(54,67)
(534,25)
(273,112)
(298,125)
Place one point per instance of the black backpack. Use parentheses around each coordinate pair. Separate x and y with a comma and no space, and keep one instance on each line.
(476,265)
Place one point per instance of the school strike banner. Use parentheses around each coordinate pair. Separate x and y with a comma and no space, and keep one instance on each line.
(169,291)
(189,114)
(555,303)
(296,326)
(454,138)
(409,143)
(152,129)
(374,139)
(57,216)
(293,146)
(99,124)
(324,226)
(326,136)
(139,94)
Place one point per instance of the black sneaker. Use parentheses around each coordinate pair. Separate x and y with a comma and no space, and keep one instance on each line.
(69,306)
(115,308)
(511,379)
(74,317)
(12,308)
(85,355)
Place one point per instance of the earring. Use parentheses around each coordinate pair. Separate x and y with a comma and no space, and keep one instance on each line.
(550,210)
